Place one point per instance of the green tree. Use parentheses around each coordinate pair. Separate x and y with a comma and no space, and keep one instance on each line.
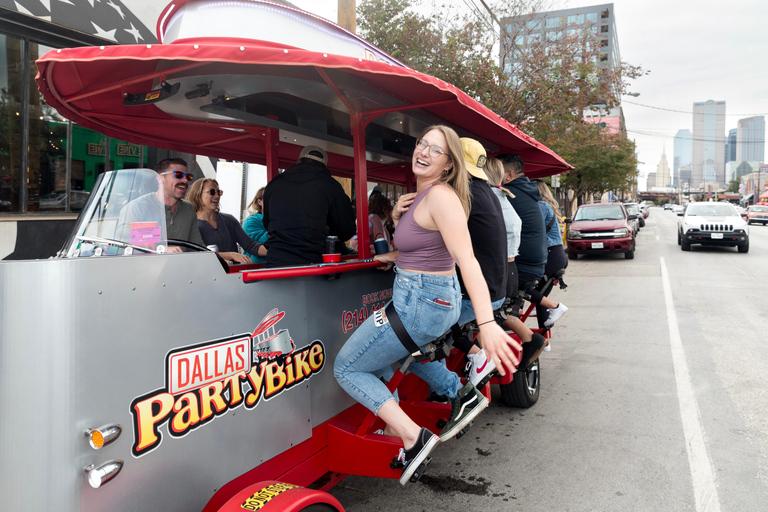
(543,86)
(733,186)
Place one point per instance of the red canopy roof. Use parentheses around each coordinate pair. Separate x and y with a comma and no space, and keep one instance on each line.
(253,85)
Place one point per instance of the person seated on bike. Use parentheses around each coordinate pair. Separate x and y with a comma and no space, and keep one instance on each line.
(547,311)
(531,341)
(302,206)
(488,233)
(254,224)
(533,239)
(217,228)
(180,221)
(432,239)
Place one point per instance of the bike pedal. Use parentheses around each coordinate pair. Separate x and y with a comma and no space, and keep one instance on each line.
(463,431)
(420,470)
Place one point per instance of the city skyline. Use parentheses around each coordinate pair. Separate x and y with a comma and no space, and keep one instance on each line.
(708,53)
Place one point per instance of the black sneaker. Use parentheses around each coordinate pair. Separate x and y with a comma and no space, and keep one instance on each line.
(415,456)
(469,402)
(531,350)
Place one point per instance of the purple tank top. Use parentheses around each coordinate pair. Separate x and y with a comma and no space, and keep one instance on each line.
(420,248)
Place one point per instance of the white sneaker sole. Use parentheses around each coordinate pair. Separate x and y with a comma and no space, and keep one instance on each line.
(465,421)
(420,457)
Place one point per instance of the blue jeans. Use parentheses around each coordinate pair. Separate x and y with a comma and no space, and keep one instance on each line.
(468,312)
(374,346)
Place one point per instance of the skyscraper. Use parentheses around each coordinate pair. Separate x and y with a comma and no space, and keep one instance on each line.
(682,155)
(730,146)
(662,170)
(708,143)
(750,145)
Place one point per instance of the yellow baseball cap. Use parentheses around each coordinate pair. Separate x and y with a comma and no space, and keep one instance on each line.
(474,157)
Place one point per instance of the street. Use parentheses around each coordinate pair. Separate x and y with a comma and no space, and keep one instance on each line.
(653,397)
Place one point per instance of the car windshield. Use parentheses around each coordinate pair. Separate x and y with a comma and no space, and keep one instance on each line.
(612,212)
(758,208)
(710,210)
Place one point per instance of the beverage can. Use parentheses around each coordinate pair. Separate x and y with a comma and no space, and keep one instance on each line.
(381,246)
(332,245)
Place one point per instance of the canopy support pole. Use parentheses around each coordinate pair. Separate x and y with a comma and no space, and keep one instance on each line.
(359,123)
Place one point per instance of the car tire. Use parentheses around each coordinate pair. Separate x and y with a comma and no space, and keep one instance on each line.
(573,255)
(523,391)
(744,248)
(686,246)
(630,254)
(642,223)
(679,238)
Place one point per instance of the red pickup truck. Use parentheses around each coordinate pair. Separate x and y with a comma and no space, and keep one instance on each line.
(599,228)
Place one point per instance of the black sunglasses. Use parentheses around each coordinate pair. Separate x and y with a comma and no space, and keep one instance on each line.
(212,191)
(179,174)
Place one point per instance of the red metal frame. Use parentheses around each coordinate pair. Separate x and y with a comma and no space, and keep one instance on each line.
(322,269)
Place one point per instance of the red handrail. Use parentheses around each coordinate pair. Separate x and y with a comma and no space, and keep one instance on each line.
(321,269)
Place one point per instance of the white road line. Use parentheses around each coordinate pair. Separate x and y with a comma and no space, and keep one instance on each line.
(702,475)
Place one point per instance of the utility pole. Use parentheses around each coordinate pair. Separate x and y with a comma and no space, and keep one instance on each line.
(347,15)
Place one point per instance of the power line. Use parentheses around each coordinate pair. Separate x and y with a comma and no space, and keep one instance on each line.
(687,112)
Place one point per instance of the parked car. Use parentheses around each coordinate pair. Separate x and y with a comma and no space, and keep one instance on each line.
(600,228)
(668,206)
(712,224)
(679,210)
(634,209)
(644,209)
(757,213)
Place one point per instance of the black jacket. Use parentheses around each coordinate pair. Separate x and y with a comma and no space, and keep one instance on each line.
(489,239)
(533,239)
(302,206)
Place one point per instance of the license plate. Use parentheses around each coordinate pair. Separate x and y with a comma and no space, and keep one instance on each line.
(717,236)
(597,245)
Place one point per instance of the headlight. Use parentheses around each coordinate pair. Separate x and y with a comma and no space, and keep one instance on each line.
(621,232)
(573,234)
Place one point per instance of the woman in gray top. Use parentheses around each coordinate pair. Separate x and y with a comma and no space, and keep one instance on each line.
(217,228)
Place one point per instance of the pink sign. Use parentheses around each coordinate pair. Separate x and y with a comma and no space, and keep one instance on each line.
(145,233)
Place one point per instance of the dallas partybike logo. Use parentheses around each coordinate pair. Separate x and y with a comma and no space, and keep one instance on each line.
(209,379)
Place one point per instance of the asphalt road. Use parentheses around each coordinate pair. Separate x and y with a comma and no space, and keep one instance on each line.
(654,396)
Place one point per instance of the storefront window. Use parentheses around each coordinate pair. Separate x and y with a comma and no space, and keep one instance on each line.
(10,122)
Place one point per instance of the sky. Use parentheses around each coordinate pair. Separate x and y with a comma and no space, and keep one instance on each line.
(694,51)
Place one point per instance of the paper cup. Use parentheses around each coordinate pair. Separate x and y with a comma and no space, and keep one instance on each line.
(332,258)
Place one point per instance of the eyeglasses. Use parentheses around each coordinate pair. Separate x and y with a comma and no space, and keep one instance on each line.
(421,144)
(179,174)
(213,192)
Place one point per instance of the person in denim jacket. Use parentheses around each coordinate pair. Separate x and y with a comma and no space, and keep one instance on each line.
(432,237)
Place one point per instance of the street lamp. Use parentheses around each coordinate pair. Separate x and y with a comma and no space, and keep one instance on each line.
(633,94)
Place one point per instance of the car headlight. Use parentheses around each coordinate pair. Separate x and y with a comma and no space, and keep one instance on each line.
(621,232)
(574,234)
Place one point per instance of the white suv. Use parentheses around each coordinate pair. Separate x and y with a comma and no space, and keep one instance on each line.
(712,224)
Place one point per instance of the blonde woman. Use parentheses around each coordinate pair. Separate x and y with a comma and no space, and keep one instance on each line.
(432,238)
(254,224)
(549,311)
(218,228)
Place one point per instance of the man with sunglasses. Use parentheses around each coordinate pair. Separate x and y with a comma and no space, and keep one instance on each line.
(180,216)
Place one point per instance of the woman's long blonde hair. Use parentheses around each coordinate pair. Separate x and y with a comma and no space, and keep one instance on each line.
(494,169)
(457,176)
(254,207)
(547,197)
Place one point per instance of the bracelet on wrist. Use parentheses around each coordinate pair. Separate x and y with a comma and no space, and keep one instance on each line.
(489,321)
